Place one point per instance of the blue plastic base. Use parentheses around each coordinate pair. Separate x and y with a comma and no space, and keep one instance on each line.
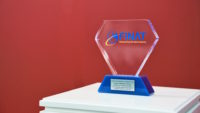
(142,85)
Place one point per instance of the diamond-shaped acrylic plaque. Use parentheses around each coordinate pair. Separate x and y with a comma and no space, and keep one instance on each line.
(126,46)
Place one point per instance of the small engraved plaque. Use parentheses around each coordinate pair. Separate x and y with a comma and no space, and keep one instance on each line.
(122,85)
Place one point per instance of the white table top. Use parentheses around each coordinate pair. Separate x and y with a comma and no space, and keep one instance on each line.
(165,99)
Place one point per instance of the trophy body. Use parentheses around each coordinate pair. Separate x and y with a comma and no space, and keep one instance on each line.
(126,46)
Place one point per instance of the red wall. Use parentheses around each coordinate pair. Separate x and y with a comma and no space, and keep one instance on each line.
(47,46)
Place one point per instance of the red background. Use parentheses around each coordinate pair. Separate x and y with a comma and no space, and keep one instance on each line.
(47,46)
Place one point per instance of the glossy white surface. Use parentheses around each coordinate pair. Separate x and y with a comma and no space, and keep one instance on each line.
(88,100)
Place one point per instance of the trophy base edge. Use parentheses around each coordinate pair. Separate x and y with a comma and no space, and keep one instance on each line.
(142,85)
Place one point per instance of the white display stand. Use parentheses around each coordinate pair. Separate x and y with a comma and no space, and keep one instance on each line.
(88,100)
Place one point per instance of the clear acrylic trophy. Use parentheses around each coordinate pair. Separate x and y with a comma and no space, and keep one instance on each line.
(126,45)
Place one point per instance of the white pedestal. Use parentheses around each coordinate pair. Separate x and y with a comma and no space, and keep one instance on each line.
(88,100)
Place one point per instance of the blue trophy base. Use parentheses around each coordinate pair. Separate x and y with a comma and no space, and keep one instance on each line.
(126,84)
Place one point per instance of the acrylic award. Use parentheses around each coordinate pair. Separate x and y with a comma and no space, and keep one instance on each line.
(126,46)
